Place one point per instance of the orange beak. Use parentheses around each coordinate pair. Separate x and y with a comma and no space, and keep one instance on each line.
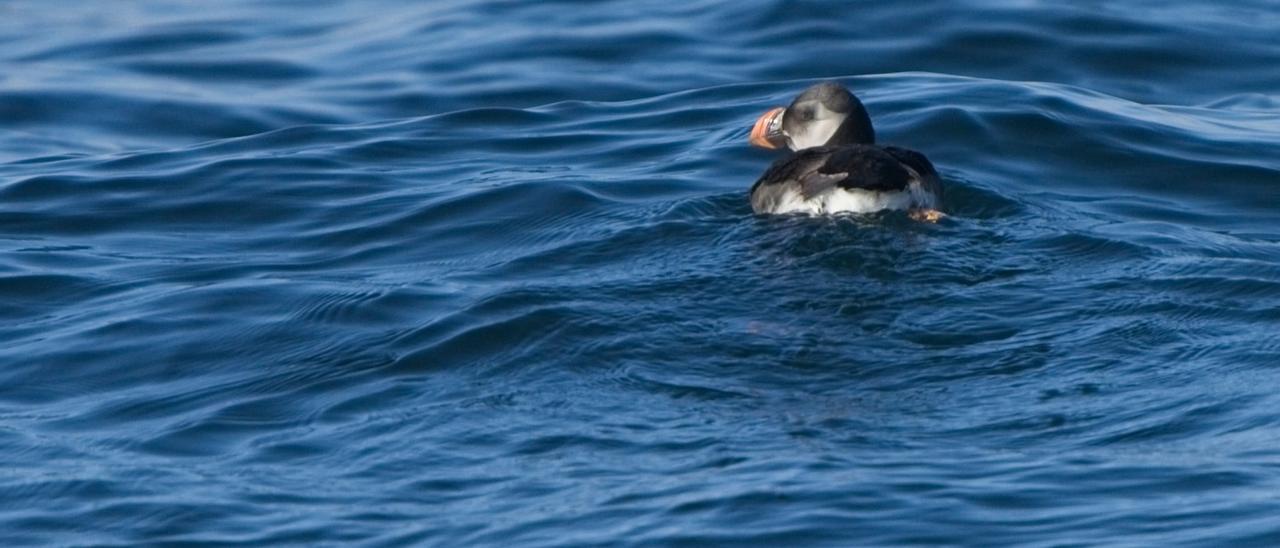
(767,132)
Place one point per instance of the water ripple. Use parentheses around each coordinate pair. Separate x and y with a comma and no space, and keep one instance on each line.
(454,274)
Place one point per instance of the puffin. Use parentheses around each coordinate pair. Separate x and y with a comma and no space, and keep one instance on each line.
(835,165)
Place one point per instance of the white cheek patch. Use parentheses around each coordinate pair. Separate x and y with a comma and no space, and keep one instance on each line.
(816,134)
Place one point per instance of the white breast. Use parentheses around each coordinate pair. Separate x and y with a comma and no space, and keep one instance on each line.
(839,200)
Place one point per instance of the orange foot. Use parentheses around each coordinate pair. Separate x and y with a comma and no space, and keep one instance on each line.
(926,215)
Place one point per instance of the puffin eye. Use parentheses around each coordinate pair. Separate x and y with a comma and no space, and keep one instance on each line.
(806,114)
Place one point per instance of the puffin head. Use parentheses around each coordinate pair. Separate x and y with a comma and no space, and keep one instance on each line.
(825,114)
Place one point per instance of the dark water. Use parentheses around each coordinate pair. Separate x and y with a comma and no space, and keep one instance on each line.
(484,273)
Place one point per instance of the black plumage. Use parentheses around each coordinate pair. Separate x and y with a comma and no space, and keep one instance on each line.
(848,159)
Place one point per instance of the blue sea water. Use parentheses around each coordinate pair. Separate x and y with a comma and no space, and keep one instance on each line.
(485,273)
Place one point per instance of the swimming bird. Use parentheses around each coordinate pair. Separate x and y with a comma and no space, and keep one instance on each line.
(835,165)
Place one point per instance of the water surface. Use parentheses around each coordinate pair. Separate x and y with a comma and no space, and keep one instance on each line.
(485,273)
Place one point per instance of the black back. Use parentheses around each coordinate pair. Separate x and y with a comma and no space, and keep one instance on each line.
(866,167)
